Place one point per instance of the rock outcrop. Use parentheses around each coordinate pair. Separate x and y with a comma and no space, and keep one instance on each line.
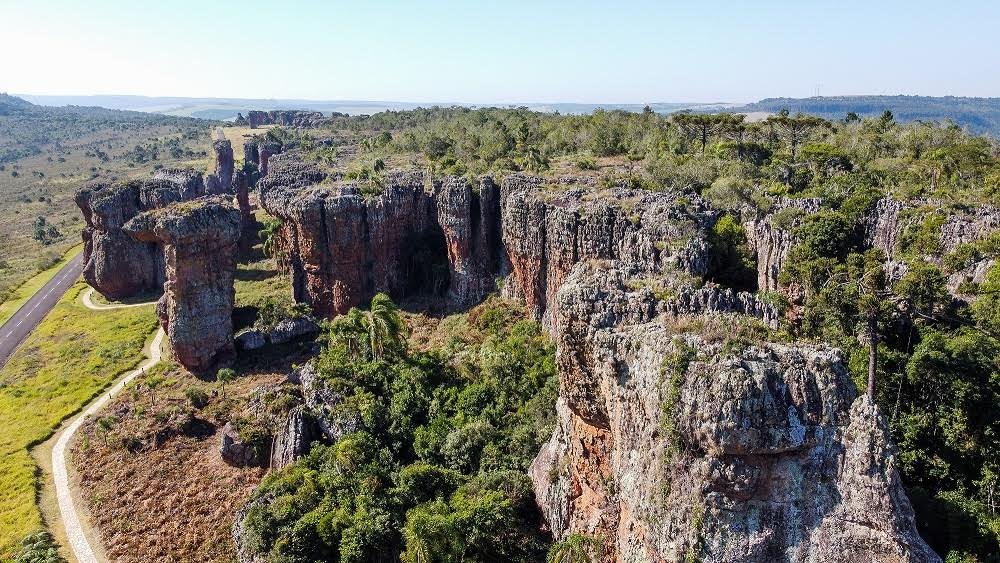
(249,226)
(265,150)
(771,242)
(191,182)
(199,239)
(289,118)
(221,182)
(445,236)
(545,234)
(344,247)
(670,447)
(115,264)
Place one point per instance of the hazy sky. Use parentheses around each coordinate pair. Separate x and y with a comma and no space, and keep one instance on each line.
(481,52)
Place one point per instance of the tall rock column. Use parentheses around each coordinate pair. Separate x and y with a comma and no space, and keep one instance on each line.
(222,181)
(199,241)
(248,223)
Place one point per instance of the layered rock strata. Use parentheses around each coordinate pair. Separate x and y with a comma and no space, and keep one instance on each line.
(670,448)
(199,241)
(115,264)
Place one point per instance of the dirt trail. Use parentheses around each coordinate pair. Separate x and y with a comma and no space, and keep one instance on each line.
(75,532)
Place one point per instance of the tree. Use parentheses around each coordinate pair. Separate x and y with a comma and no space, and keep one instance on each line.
(702,127)
(267,235)
(224,376)
(384,325)
(795,129)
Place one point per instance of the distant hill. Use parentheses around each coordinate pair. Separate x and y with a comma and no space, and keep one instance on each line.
(980,115)
(227,108)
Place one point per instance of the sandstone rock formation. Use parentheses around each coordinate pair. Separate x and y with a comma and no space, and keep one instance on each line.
(199,239)
(772,243)
(190,181)
(221,182)
(341,247)
(670,448)
(265,150)
(249,226)
(545,234)
(288,118)
(117,265)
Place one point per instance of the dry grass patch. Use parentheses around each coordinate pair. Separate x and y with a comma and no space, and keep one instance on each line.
(72,355)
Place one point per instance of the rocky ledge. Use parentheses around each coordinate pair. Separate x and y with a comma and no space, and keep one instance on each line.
(672,445)
(199,240)
(454,238)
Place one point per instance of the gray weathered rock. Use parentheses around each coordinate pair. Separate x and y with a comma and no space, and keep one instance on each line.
(670,447)
(289,329)
(293,439)
(250,339)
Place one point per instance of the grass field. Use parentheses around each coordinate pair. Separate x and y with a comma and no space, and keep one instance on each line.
(73,354)
(23,292)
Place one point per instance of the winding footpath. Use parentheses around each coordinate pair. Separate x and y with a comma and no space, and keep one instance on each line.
(76,536)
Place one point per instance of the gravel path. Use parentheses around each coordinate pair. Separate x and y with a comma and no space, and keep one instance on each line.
(77,538)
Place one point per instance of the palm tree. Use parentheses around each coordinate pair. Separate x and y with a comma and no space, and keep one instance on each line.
(384,325)
(225,375)
(267,234)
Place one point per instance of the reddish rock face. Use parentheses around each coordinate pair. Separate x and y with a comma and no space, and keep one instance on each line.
(342,248)
(265,151)
(117,265)
(199,239)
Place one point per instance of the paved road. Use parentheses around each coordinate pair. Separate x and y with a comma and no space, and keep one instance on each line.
(19,326)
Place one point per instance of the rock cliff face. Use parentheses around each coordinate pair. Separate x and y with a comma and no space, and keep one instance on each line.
(342,247)
(117,265)
(288,118)
(670,448)
(546,233)
(199,240)
(445,236)
(772,242)
(248,223)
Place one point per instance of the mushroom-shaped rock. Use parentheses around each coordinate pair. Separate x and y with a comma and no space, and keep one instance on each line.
(199,239)
(115,264)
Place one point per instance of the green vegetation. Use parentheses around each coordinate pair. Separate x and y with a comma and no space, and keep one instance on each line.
(928,361)
(73,354)
(433,466)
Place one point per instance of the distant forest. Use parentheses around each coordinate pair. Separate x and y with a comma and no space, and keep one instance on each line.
(980,115)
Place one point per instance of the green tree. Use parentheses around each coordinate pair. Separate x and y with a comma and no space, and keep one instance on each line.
(794,130)
(224,376)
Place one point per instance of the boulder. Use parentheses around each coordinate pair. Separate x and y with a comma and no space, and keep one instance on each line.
(287,330)
(250,339)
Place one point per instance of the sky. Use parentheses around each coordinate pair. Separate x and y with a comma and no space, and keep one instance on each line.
(500,52)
